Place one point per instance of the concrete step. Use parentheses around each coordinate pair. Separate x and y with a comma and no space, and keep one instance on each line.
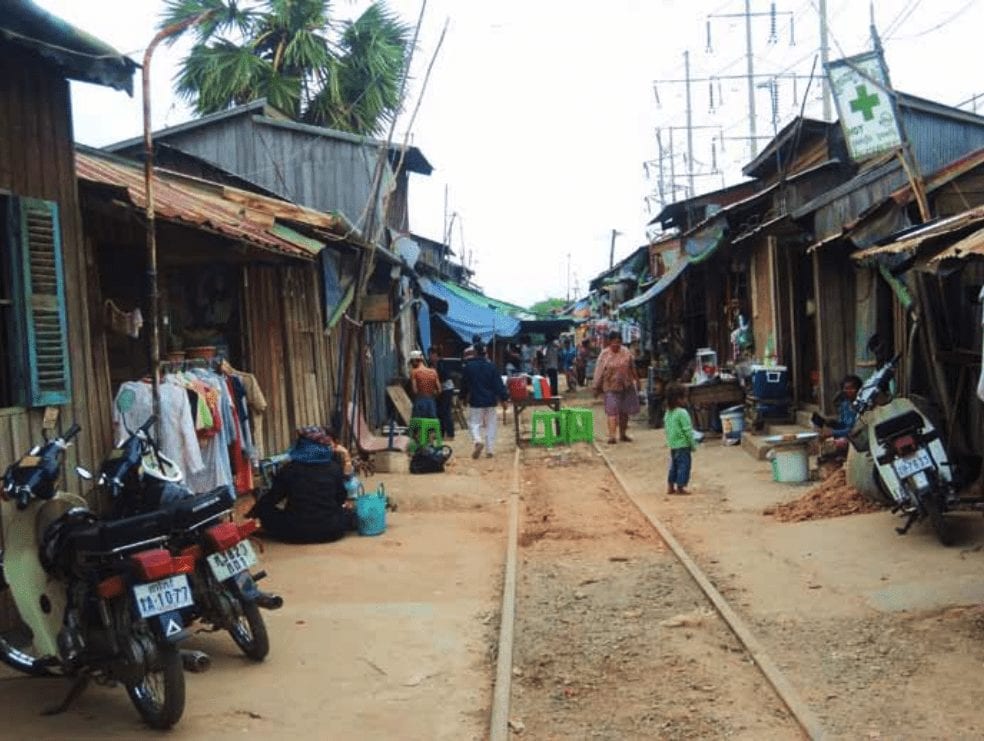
(755,445)
(803,418)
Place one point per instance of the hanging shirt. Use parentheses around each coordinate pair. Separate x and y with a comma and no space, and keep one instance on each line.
(178,441)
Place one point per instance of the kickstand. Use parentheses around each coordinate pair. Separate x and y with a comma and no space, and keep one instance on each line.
(77,688)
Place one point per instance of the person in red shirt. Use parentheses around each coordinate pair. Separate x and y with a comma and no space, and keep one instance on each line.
(426,386)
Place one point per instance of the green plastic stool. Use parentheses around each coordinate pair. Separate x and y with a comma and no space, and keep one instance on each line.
(579,425)
(421,427)
(548,428)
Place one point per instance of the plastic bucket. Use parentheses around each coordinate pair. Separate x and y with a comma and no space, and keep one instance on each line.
(790,465)
(370,513)
(733,422)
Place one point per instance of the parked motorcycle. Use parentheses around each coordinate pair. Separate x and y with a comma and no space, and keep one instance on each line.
(102,599)
(910,465)
(141,479)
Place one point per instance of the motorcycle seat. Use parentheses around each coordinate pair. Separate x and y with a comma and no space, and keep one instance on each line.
(193,511)
(112,536)
(908,423)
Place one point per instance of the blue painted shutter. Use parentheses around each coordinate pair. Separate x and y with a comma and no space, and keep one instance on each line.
(43,378)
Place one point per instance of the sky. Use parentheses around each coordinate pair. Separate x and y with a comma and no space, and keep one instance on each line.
(540,114)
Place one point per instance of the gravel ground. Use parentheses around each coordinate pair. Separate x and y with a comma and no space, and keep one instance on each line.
(614,640)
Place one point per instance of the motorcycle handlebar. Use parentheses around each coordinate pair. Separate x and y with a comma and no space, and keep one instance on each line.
(151,421)
(23,498)
(72,431)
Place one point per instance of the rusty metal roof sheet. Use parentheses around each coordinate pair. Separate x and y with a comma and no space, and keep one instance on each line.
(914,239)
(972,244)
(258,220)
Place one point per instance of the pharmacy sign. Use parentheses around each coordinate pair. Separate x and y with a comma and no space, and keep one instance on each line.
(865,105)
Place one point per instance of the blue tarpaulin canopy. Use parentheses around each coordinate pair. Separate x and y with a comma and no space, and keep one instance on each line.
(466,317)
(659,286)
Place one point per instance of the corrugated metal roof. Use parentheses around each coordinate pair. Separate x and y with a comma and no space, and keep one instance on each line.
(973,244)
(914,239)
(76,54)
(238,214)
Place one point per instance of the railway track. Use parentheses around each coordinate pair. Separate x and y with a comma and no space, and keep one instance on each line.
(617,629)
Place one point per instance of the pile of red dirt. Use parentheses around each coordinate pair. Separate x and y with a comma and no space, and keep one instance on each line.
(832,497)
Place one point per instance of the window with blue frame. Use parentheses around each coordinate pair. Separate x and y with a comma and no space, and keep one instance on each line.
(34,366)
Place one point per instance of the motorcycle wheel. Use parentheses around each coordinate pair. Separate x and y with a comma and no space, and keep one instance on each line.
(160,696)
(250,633)
(936,519)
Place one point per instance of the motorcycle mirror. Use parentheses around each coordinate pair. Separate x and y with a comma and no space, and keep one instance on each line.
(84,473)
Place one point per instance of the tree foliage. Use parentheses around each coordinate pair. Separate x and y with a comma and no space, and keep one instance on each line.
(548,306)
(341,74)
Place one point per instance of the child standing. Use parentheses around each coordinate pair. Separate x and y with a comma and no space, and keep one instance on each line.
(679,439)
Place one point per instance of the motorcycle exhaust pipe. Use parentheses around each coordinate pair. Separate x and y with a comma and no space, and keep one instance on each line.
(195,661)
(269,601)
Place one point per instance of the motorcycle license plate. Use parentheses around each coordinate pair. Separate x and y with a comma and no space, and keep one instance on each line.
(919,461)
(226,564)
(158,597)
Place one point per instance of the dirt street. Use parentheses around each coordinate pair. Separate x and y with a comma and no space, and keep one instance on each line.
(379,638)
(394,636)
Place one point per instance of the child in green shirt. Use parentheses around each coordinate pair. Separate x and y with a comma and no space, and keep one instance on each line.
(679,439)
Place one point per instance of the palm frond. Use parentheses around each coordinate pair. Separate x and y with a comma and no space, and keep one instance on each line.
(226,16)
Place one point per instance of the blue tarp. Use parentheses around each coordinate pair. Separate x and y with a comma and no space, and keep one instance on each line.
(659,286)
(424,324)
(467,318)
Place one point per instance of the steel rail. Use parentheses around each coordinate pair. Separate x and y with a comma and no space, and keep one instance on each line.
(499,723)
(804,716)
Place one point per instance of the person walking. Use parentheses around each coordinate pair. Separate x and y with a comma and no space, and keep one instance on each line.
(551,363)
(615,377)
(680,439)
(425,386)
(581,362)
(482,387)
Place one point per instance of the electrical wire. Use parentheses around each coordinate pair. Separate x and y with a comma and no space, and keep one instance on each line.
(963,9)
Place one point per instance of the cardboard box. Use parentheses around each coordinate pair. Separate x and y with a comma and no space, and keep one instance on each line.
(391,461)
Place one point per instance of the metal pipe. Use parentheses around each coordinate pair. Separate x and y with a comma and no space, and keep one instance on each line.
(153,288)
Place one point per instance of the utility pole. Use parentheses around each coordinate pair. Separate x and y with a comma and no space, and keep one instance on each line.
(824,59)
(611,252)
(662,187)
(772,14)
(672,170)
(751,77)
(690,125)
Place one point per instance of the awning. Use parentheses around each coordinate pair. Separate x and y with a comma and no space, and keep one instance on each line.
(942,228)
(659,286)
(467,317)
(76,54)
(256,220)
(969,245)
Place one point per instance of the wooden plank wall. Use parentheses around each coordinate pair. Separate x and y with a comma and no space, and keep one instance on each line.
(294,360)
(37,159)
(835,293)
(762,294)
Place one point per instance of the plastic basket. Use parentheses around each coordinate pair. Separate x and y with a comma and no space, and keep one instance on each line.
(370,512)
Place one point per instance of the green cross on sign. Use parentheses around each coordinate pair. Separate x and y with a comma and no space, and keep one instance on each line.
(865,103)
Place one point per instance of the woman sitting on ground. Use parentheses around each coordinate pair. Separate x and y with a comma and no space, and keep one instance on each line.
(312,488)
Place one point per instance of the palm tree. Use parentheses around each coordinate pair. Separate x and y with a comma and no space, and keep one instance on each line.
(341,74)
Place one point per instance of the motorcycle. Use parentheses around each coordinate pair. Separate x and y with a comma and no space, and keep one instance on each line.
(906,455)
(102,599)
(141,479)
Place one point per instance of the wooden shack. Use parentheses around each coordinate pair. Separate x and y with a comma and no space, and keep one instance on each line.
(46,340)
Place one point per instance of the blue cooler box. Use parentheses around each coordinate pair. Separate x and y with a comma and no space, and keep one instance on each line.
(770,382)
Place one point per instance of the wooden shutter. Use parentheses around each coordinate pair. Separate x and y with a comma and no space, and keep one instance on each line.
(43,377)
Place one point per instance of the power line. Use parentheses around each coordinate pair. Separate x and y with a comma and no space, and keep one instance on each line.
(963,9)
